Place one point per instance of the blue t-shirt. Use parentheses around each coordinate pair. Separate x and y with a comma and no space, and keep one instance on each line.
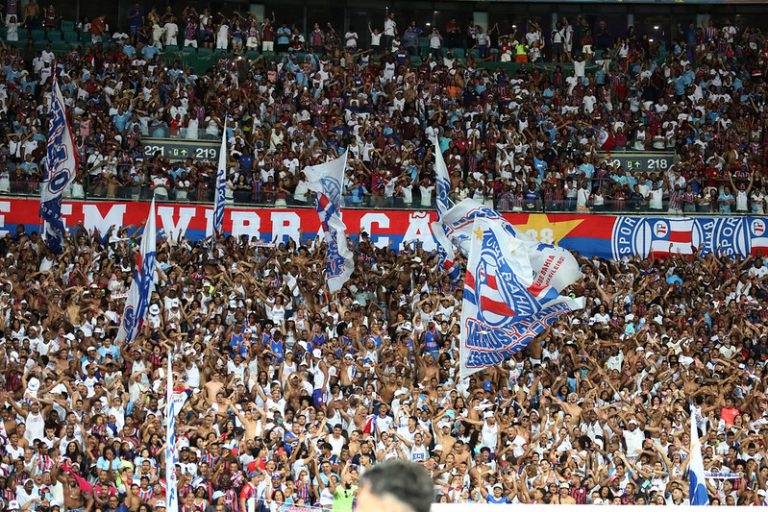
(283,35)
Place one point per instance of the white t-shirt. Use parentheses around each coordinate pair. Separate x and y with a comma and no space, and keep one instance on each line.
(634,441)
(351,38)
(171,33)
(389,27)
(426,194)
(578,68)
(655,200)
(589,103)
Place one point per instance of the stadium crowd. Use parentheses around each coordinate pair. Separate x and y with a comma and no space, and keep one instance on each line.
(293,394)
(521,138)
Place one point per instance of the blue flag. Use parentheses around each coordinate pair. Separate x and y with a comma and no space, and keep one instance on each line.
(61,168)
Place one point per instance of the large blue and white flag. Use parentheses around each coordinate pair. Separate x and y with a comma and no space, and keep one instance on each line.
(697,489)
(327,182)
(171,455)
(61,168)
(552,266)
(445,250)
(137,302)
(504,306)
(220,194)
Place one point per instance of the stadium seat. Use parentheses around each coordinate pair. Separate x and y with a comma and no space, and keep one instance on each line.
(60,46)
(68,26)
(54,35)
(189,50)
(252,54)
(171,48)
(204,52)
(38,35)
(70,37)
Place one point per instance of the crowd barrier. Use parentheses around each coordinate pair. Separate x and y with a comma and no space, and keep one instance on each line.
(607,236)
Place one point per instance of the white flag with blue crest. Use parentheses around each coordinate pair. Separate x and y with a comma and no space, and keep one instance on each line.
(143,284)
(504,307)
(327,182)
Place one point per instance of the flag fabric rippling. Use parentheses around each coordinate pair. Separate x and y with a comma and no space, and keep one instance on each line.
(697,489)
(507,300)
(221,186)
(61,169)
(327,182)
(171,456)
(143,284)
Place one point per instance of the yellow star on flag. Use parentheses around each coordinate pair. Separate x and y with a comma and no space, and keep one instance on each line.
(478,233)
(540,228)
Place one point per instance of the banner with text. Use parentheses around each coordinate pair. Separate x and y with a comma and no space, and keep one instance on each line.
(607,236)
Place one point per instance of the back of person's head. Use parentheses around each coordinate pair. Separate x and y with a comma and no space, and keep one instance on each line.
(396,486)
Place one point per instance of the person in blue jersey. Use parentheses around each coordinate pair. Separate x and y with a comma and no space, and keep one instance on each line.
(432,338)
(318,338)
(277,348)
(237,340)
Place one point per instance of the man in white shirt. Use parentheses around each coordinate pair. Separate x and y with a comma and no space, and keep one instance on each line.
(351,38)
(171,32)
(633,437)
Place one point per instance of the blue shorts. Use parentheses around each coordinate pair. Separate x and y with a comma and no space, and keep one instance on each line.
(319,397)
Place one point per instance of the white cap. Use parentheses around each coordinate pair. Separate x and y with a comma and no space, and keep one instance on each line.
(488,414)
(317,353)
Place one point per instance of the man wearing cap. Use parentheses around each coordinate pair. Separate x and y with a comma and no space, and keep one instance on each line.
(27,494)
(633,438)
(489,434)
(253,490)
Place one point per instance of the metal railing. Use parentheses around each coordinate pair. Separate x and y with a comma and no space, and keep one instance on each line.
(271,199)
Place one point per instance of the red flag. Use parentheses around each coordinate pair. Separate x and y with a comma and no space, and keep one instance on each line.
(81,482)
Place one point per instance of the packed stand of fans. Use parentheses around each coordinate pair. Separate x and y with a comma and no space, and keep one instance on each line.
(292,394)
(522,140)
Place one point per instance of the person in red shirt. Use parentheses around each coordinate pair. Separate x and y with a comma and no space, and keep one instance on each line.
(729,412)
(250,490)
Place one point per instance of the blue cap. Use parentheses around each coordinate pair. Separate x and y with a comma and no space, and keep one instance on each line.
(487,385)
